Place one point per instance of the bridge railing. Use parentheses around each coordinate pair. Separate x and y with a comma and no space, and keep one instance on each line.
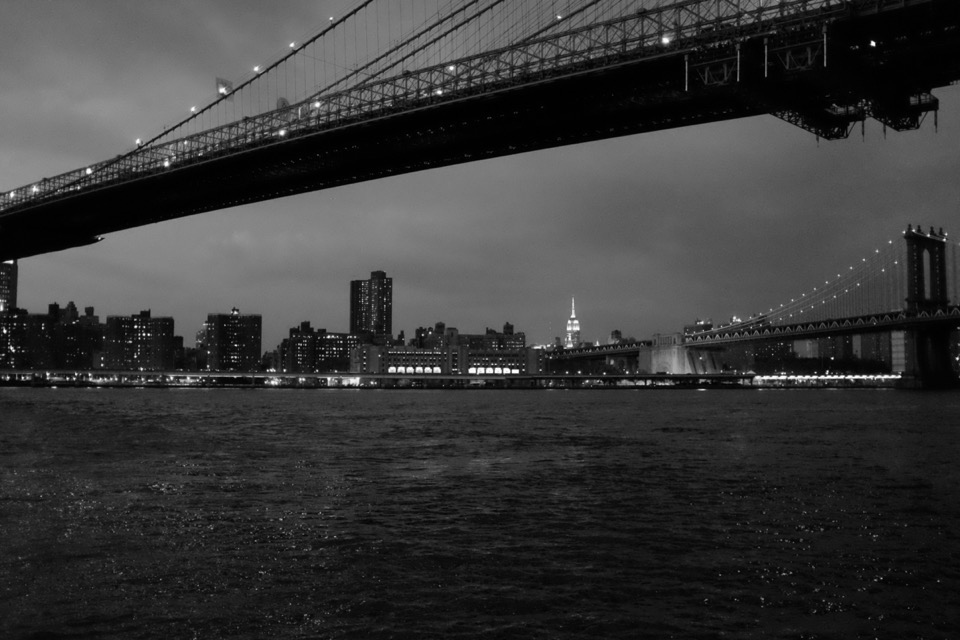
(664,30)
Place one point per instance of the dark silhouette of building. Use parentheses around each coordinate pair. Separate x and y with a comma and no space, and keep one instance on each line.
(77,340)
(309,350)
(26,340)
(8,286)
(59,339)
(371,305)
(139,342)
(444,350)
(233,341)
(447,360)
(440,336)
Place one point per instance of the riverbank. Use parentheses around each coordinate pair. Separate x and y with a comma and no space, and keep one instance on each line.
(272,380)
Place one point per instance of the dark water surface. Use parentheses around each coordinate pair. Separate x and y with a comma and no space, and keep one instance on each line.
(479,514)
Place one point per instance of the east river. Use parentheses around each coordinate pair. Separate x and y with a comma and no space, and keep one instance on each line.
(219,513)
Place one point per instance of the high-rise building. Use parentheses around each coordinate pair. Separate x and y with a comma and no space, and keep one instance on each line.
(309,350)
(26,340)
(8,286)
(573,328)
(233,341)
(371,305)
(76,338)
(139,342)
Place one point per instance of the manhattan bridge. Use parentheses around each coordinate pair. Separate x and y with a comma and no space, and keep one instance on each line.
(393,87)
(892,309)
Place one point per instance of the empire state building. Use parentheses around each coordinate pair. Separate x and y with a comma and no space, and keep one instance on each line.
(573,328)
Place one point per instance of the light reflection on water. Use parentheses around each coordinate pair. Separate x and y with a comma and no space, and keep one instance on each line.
(412,514)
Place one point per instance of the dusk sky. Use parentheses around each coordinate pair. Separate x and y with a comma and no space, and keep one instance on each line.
(648,232)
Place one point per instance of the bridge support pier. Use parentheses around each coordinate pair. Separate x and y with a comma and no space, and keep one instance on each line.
(670,356)
(928,359)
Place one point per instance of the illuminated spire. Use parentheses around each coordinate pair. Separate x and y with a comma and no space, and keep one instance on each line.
(573,327)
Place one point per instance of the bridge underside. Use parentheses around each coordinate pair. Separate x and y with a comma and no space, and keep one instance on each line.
(783,74)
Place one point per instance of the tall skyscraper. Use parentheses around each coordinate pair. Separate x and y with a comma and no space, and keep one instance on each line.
(371,305)
(573,328)
(233,341)
(8,286)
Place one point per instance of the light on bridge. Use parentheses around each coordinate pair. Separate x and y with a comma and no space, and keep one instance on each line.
(873,43)
(193,109)
(665,40)
(293,45)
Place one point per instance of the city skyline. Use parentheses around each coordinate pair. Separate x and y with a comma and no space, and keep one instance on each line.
(649,232)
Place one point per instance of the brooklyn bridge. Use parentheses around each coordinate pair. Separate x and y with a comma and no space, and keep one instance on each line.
(374,95)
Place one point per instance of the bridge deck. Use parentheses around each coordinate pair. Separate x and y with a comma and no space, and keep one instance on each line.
(633,81)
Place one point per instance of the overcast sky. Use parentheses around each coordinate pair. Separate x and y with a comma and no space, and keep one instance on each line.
(647,232)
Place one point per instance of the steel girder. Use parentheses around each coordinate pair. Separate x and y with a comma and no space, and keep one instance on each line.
(697,28)
(649,32)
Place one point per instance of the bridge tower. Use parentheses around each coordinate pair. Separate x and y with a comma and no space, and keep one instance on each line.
(927,350)
(926,269)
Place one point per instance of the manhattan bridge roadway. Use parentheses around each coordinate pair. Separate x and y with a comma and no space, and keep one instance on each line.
(824,65)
